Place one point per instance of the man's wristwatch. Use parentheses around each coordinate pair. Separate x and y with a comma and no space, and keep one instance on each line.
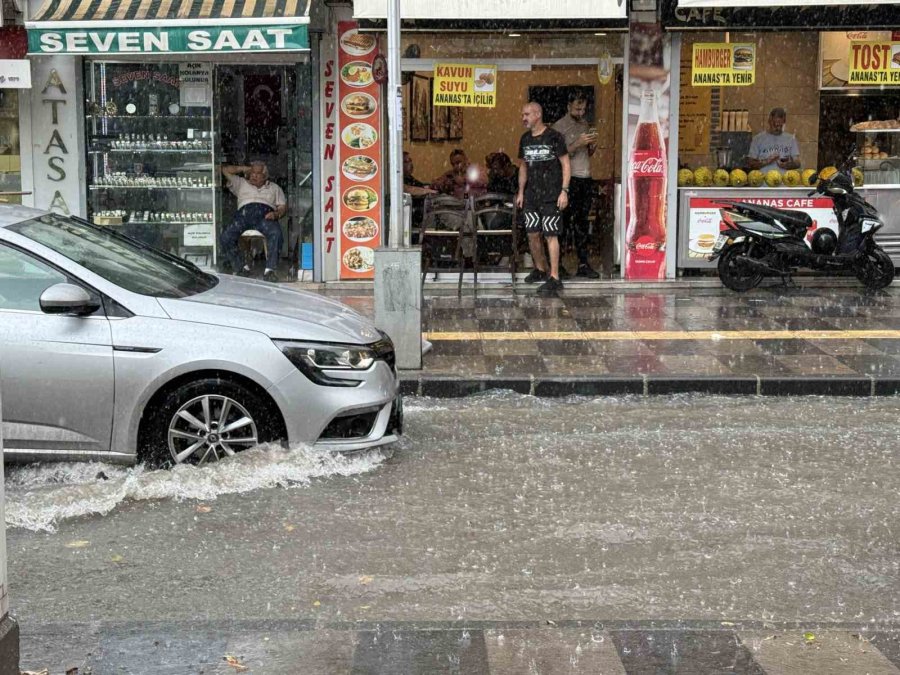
(565,188)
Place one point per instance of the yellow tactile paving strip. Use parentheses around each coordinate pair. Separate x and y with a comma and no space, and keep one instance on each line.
(468,336)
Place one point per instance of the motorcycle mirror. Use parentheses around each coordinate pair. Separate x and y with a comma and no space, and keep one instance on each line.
(833,189)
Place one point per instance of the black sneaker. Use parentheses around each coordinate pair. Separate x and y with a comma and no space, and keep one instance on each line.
(535,275)
(585,270)
(270,276)
(550,287)
(563,273)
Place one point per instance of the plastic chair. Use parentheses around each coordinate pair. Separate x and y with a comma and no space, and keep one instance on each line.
(248,243)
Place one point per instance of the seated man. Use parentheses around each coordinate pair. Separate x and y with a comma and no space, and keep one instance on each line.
(462,179)
(260,204)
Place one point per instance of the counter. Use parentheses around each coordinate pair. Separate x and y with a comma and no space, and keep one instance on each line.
(698,217)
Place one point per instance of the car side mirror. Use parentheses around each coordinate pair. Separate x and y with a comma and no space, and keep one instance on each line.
(68,299)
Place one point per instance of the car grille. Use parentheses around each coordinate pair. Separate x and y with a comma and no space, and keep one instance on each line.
(356,425)
(384,350)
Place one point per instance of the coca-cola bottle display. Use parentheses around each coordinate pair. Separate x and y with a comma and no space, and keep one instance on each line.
(645,235)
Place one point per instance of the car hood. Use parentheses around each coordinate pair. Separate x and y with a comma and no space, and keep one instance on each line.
(274,310)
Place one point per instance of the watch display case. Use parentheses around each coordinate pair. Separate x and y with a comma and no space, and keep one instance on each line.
(150,163)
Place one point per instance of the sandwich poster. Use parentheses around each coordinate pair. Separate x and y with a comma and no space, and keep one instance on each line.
(874,63)
(465,85)
(359,162)
(723,64)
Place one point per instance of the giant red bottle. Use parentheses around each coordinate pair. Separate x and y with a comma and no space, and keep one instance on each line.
(645,236)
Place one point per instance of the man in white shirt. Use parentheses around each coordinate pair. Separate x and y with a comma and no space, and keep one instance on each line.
(774,148)
(260,204)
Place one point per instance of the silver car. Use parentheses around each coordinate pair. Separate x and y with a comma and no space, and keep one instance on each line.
(114,351)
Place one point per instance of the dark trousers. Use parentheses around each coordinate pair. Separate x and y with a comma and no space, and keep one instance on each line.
(581,196)
(252,217)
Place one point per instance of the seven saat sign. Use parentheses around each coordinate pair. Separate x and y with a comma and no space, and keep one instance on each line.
(462,84)
(166,40)
(874,63)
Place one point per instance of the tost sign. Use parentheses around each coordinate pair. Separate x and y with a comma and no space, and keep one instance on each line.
(169,40)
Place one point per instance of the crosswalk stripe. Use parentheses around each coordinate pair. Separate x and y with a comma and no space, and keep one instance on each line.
(827,653)
(542,652)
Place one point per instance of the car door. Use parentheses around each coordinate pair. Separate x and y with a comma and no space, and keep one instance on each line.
(56,371)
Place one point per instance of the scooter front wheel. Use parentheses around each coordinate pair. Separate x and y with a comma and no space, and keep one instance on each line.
(877,271)
(733,273)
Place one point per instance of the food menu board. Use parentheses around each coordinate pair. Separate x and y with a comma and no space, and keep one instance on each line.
(360,156)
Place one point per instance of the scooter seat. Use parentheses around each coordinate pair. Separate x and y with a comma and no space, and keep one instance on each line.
(796,220)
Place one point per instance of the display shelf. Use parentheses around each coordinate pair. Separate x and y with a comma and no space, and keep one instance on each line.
(95,116)
(204,151)
(151,187)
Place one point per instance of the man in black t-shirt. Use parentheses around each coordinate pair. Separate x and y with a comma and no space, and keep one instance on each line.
(543,194)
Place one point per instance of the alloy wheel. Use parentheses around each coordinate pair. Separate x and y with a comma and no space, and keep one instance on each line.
(208,428)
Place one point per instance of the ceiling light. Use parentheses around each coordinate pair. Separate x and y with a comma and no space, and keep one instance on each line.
(515,35)
(600,34)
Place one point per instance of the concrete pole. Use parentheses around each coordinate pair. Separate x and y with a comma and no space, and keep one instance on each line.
(398,267)
(9,629)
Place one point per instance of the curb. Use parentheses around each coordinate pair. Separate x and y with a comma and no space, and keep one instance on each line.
(443,386)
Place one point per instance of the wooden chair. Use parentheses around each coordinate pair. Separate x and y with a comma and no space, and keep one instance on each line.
(443,229)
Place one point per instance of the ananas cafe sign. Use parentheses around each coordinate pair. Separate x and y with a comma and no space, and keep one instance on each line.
(168,39)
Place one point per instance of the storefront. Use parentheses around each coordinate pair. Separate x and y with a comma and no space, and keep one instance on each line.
(15,80)
(528,51)
(137,106)
(833,83)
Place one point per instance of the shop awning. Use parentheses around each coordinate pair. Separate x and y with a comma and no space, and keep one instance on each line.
(778,3)
(509,10)
(168,26)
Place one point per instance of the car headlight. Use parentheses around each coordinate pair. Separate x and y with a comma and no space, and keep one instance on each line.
(871,224)
(315,360)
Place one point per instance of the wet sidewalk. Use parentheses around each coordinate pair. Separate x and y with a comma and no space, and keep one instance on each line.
(821,337)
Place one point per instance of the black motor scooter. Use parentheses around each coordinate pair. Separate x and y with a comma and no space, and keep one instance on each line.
(758,241)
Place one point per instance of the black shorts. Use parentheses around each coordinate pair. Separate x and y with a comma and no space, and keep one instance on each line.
(545,218)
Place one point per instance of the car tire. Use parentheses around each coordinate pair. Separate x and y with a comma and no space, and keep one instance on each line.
(205,420)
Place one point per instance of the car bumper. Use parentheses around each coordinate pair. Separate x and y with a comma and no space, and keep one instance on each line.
(309,410)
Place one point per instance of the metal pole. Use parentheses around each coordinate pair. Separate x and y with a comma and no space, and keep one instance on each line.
(395,123)
(9,629)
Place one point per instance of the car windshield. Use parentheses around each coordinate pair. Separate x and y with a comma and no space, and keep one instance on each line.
(123,261)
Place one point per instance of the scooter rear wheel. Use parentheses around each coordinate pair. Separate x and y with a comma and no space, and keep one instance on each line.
(878,271)
(735,275)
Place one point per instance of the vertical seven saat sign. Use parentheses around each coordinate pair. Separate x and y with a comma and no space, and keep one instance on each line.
(465,85)
(874,63)
(723,64)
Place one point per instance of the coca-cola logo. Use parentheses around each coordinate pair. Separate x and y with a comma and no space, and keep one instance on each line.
(649,166)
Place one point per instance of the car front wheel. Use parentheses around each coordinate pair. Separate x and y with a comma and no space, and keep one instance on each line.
(207,420)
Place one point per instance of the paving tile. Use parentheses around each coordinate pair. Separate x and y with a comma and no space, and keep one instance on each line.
(622,348)
(503,325)
(779,347)
(888,645)
(741,364)
(788,653)
(565,347)
(510,348)
(628,365)
(571,650)
(456,348)
(847,347)
(596,324)
(885,346)
(684,652)
(499,313)
(877,366)
(805,323)
(733,347)
(815,365)
(514,365)
(706,364)
(454,365)
(552,325)
(450,325)
(585,301)
(560,312)
(679,347)
(889,323)
(575,365)
(433,652)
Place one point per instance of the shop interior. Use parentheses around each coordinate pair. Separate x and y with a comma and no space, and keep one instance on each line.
(530,67)
(158,133)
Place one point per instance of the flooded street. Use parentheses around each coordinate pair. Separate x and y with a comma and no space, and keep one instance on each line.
(496,507)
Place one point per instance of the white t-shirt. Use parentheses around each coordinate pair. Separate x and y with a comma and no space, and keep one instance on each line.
(765,144)
(246,193)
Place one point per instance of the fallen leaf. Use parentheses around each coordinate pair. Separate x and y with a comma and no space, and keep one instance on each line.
(78,543)
(235,663)
(203,508)
(365,580)
(117,558)
(364,607)
(289,528)
(809,637)
(727,623)
(316,603)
